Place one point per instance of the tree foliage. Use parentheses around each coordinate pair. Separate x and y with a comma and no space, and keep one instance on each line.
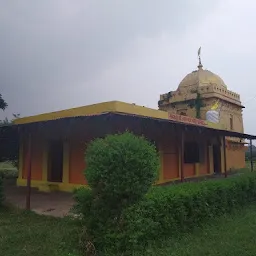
(9,145)
(3,104)
(6,121)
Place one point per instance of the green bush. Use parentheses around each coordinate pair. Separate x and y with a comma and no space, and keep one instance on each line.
(162,212)
(170,210)
(167,211)
(9,173)
(8,170)
(121,167)
(120,170)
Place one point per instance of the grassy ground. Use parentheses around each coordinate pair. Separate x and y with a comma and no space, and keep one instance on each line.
(29,234)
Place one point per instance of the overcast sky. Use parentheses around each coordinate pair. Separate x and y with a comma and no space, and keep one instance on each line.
(57,54)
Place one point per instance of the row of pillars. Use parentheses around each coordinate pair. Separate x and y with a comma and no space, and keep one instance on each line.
(225,157)
(182,164)
(182,157)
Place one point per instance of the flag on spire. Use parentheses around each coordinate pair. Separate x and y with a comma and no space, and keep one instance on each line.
(199,52)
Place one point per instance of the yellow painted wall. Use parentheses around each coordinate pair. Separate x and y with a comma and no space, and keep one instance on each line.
(235,156)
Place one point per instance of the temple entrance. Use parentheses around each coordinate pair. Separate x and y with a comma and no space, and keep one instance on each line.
(216,159)
(55,161)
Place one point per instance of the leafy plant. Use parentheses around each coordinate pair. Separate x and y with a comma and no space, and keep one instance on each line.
(3,104)
(6,121)
(121,168)
(9,145)
(9,173)
(170,210)
(9,141)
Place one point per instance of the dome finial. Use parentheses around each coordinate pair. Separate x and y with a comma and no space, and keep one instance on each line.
(199,57)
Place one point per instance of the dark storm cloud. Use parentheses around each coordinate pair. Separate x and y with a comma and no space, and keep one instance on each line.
(50,46)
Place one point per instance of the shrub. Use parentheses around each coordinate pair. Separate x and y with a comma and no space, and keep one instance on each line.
(120,170)
(9,173)
(121,167)
(8,170)
(170,210)
(167,211)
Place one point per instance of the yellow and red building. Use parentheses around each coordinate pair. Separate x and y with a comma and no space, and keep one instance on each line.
(53,145)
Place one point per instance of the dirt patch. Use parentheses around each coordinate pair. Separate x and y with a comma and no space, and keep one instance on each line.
(56,204)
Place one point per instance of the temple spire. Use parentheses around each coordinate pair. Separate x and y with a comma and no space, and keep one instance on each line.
(199,58)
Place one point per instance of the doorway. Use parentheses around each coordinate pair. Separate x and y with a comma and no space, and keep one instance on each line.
(55,161)
(216,159)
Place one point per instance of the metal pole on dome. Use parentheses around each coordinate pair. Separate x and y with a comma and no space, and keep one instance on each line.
(199,57)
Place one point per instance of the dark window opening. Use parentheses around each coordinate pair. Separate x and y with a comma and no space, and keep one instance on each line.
(191,153)
(55,161)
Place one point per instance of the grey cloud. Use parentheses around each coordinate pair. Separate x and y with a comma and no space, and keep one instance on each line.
(52,46)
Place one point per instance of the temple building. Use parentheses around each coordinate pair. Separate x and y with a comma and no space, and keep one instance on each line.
(198,131)
(204,95)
